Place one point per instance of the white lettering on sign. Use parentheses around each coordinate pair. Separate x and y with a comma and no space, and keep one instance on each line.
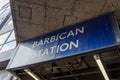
(36,43)
(62,35)
(57,37)
(79,30)
(52,39)
(54,48)
(76,45)
(71,33)
(59,48)
(64,47)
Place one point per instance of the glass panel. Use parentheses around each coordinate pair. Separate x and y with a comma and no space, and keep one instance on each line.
(8,46)
(12,37)
(1,11)
(10,23)
(7,27)
(3,2)
(4,9)
(1,19)
(8,8)
(4,13)
(0,46)
(3,37)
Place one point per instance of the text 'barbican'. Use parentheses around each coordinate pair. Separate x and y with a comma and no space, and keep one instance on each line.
(56,48)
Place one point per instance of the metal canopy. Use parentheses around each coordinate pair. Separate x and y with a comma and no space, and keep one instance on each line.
(92,35)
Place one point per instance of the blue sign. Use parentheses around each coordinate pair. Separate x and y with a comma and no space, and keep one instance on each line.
(88,36)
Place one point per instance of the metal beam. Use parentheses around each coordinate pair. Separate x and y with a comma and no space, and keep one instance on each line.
(33,75)
(101,67)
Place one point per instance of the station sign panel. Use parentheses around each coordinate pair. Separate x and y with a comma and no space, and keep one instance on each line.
(94,34)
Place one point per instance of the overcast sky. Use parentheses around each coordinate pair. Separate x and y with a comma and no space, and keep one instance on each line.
(2,2)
